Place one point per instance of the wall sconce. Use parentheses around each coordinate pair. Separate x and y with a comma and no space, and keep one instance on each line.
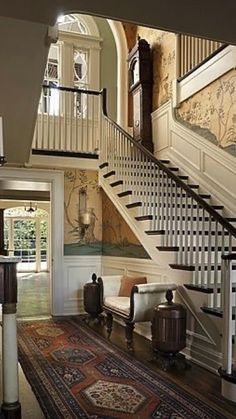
(85,214)
(31,209)
(2,157)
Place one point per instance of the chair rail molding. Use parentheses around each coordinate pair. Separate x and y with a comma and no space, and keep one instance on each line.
(206,164)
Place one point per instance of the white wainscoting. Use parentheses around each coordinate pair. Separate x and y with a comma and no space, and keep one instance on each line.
(78,271)
(206,164)
(201,347)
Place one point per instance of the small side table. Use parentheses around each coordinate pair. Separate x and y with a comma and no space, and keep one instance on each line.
(169,333)
(92,303)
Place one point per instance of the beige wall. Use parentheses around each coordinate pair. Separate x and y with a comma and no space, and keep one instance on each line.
(211,112)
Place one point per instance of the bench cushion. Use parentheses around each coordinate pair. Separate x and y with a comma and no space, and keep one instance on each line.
(118,304)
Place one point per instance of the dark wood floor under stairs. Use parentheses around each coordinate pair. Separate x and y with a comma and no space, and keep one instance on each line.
(198,381)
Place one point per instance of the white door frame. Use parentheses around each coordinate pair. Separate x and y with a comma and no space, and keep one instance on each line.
(56,181)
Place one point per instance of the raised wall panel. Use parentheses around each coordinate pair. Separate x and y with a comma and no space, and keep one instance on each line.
(78,271)
(222,175)
(185,149)
(160,128)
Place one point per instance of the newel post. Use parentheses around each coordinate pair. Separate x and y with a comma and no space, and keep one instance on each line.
(11,408)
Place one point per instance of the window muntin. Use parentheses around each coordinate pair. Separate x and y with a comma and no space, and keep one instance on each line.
(72,23)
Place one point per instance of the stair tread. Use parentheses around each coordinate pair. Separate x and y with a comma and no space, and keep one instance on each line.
(143,217)
(125,193)
(165,161)
(182,267)
(134,204)
(105,164)
(207,289)
(116,183)
(108,174)
(154,232)
(218,312)
(168,248)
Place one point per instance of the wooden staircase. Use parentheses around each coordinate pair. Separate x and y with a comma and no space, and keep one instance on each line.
(186,228)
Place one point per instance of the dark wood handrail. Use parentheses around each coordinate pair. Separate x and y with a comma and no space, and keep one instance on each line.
(229,256)
(221,220)
(73,89)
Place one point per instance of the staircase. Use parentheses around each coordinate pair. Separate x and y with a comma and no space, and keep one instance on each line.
(181,227)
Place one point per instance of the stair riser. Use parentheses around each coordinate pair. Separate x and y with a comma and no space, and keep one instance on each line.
(117,189)
(127,199)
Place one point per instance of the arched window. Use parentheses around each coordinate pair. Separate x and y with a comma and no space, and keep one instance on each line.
(74,61)
(73,23)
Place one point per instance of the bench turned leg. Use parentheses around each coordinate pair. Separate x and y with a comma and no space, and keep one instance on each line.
(129,335)
(109,324)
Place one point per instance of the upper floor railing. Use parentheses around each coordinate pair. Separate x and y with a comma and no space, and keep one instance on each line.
(68,120)
(194,52)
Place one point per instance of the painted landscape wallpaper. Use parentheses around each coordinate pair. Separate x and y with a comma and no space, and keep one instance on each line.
(79,241)
(117,237)
(211,112)
(108,233)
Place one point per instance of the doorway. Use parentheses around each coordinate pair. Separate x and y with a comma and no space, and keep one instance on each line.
(26,235)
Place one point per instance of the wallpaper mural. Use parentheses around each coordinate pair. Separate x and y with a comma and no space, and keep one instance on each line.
(82,193)
(107,232)
(118,239)
(212,112)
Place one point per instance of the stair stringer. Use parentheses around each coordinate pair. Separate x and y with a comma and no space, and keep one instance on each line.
(162,260)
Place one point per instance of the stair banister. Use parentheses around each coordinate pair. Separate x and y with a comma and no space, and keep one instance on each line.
(69,121)
(228,331)
(203,204)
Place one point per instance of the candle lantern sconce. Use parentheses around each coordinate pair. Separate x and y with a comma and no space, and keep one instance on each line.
(85,214)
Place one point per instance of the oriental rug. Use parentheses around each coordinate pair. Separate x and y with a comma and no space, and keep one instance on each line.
(75,373)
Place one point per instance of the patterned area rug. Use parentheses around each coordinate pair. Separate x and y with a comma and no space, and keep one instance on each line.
(75,373)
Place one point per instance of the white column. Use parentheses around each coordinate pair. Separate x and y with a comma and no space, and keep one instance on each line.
(11,407)
(9,358)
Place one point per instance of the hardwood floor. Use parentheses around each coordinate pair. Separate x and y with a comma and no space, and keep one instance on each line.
(33,294)
(196,380)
